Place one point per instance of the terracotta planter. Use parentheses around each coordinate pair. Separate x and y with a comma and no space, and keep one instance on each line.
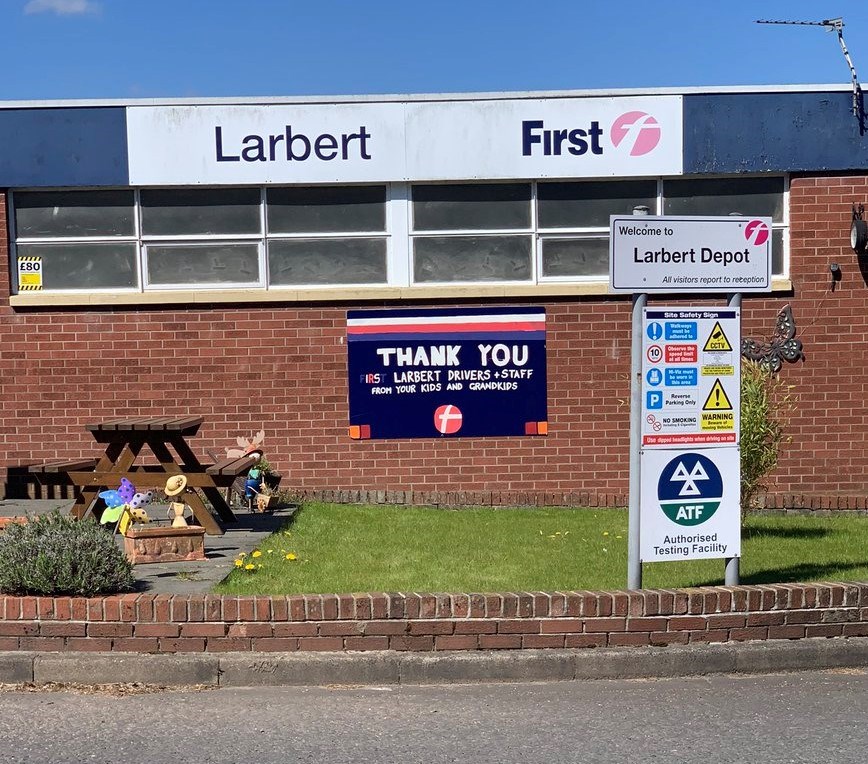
(164,544)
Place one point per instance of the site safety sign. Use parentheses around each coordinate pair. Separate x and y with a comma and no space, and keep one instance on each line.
(691,377)
(689,505)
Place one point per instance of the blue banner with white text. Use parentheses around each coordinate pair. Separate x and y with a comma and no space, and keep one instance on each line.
(457,372)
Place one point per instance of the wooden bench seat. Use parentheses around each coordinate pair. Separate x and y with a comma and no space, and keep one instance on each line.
(235,466)
(58,466)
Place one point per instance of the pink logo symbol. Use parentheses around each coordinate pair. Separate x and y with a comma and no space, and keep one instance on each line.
(448,419)
(638,131)
(756,232)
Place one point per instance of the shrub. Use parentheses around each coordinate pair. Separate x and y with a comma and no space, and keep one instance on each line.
(57,554)
(766,403)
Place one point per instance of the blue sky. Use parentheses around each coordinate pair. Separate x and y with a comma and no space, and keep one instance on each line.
(57,49)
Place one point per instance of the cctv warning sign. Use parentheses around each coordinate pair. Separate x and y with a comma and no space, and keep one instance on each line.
(717,341)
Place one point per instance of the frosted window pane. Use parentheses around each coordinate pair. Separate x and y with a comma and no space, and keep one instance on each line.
(472,258)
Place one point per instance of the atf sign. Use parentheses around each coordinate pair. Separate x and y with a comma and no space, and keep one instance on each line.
(690,255)
(690,505)
(441,373)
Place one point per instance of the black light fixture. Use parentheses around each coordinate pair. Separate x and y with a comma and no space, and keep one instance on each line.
(859,231)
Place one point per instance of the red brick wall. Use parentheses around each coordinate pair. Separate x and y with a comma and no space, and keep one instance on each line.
(163,623)
(283,368)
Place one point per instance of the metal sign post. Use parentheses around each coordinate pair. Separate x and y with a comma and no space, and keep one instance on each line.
(693,464)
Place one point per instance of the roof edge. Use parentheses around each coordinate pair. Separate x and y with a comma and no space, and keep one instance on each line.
(419,97)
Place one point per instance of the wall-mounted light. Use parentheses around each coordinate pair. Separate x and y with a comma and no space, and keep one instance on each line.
(859,231)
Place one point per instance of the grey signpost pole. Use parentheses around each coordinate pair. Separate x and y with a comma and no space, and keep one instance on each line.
(731,573)
(634,564)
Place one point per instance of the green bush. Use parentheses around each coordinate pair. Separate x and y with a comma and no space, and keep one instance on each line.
(57,554)
(766,403)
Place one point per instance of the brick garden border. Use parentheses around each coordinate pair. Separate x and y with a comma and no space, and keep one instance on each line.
(163,623)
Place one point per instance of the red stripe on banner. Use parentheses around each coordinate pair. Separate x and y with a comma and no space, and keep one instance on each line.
(517,326)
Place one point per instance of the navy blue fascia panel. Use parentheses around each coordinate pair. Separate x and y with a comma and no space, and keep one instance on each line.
(63,147)
(772,132)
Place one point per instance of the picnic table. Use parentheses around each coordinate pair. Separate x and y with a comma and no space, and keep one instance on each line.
(125,441)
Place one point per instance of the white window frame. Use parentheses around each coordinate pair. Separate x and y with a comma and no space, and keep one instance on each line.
(15,240)
(399,235)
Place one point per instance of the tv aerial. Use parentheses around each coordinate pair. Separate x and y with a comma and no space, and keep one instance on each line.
(837,26)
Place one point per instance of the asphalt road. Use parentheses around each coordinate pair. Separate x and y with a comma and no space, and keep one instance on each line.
(807,717)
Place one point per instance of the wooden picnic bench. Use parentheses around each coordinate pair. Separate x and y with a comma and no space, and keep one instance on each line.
(125,440)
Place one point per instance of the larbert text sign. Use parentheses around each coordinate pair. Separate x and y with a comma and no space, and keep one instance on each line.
(690,255)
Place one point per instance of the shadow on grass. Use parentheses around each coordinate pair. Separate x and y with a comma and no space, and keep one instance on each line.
(786,533)
(797,573)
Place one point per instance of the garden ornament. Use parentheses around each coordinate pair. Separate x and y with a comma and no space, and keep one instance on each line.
(141,500)
(127,490)
(175,485)
(112,498)
(176,513)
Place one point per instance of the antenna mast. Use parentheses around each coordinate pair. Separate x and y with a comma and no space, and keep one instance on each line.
(837,26)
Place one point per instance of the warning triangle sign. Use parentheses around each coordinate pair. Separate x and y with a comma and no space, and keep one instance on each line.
(717,341)
(717,399)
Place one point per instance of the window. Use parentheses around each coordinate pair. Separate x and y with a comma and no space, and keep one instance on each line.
(202,237)
(763,197)
(582,210)
(445,245)
(85,239)
(401,235)
(319,236)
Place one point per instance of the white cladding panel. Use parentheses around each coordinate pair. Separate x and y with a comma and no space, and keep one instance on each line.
(312,143)
(381,142)
(550,138)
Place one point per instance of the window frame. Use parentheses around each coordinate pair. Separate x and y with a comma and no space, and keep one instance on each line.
(399,236)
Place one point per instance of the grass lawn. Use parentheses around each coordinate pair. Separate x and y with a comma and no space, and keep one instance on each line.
(341,548)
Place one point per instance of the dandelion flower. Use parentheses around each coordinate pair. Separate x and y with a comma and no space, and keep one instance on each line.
(257,553)
(291,556)
(238,563)
(605,533)
(270,551)
(249,566)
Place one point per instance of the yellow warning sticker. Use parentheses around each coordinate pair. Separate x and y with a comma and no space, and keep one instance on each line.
(718,370)
(29,273)
(717,399)
(717,341)
(717,420)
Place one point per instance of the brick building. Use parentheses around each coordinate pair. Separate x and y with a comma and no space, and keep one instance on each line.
(201,256)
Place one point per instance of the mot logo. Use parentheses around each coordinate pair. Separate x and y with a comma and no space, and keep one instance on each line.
(635,132)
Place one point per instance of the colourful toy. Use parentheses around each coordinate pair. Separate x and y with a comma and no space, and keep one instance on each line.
(141,500)
(112,498)
(251,486)
(112,514)
(127,490)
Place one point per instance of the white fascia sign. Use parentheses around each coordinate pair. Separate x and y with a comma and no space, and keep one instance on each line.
(359,142)
(305,143)
(690,255)
(545,138)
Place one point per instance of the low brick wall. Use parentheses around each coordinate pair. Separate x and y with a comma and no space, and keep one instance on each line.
(161,623)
